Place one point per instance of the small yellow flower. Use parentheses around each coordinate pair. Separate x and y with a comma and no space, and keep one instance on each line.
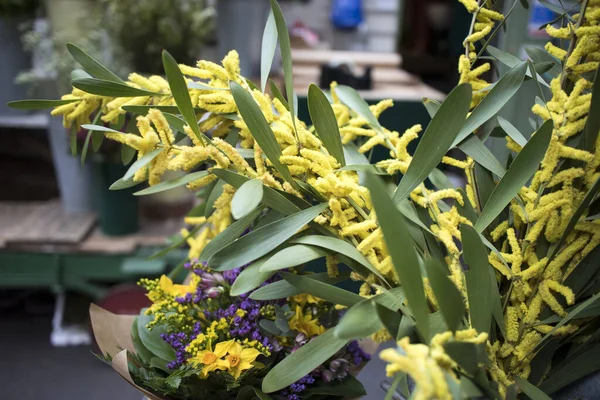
(167,286)
(240,359)
(305,323)
(212,360)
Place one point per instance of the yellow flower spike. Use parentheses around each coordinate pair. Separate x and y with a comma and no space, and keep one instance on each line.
(545,289)
(361,228)
(565,255)
(220,102)
(202,182)
(332,266)
(238,161)
(231,63)
(499,231)
(158,167)
(511,320)
(162,126)
(216,70)
(195,72)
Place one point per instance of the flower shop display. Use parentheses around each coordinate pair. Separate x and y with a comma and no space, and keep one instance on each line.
(491,290)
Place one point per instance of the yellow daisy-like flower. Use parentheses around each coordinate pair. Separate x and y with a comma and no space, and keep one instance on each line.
(240,359)
(212,360)
(305,323)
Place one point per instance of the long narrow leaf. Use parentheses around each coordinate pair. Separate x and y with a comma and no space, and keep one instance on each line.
(246,198)
(102,87)
(283,289)
(520,171)
(91,65)
(259,127)
(474,148)
(245,249)
(140,163)
(436,140)
(322,290)
(35,104)
(269,45)
(501,93)
(400,246)
(512,131)
(168,185)
(323,118)
(302,361)
(286,57)
(447,295)
(227,237)
(592,124)
(181,94)
(250,278)
(292,256)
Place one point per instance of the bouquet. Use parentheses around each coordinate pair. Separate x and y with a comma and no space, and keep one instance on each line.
(205,340)
(490,289)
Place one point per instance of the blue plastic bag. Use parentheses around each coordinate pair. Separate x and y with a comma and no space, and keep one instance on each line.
(346,14)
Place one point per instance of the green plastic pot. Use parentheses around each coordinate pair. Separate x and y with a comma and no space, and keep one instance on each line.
(117,209)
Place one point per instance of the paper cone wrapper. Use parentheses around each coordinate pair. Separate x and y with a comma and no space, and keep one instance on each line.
(113,335)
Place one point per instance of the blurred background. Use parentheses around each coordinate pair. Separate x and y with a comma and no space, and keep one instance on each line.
(66,240)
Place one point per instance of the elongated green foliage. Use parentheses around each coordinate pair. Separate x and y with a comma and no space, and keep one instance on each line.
(436,140)
(168,185)
(292,256)
(259,127)
(400,245)
(322,290)
(181,94)
(302,361)
(501,93)
(323,118)
(269,45)
(102,87)
(447,295)
(512,131)
(246,198)
(283,289)
(250,278)
(35,104)
(245,249)
(91,65)
(520,171)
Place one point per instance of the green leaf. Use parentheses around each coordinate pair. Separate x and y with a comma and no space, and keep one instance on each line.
(143,110)
(302,361)
(140,350)
(440,180)
(584,272)
(86,145)
(123,184)
(173,183)
(283,289)
(216,190)
(479,292)
(259,127)
(267,53)
(511,61)
(245,249)
(102,87)
(512,131)
(436,140)
(73,140)
(525,4)
(277,94)
(474,148)
(261,395)
(349,388)
(286,59)
(250,278)
(484,184)
(99,128)
(352,99)
(400,246)
(581,366)
(271,197)
(364,168)
(571,315)
(202,86)
(35,104)
(226,237)
(323,118)
(292,256)
(592,125)
(520,171)
(79,74)
(362,320)
(389,319)
(322,290)
(432,106)
(181,95)
(91,65)
(501,93)
(174,121)
(246,198)
(447,295)
(140,163)
(343,248)
(533,392)
(127,154)
(151,338)
(539,55)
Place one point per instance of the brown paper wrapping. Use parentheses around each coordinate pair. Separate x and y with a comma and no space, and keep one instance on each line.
(113,335)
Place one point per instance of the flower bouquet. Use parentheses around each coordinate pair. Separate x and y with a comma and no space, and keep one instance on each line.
(491,289)
(202,340)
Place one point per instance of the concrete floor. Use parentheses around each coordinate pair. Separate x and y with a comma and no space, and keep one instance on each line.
(31,369)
